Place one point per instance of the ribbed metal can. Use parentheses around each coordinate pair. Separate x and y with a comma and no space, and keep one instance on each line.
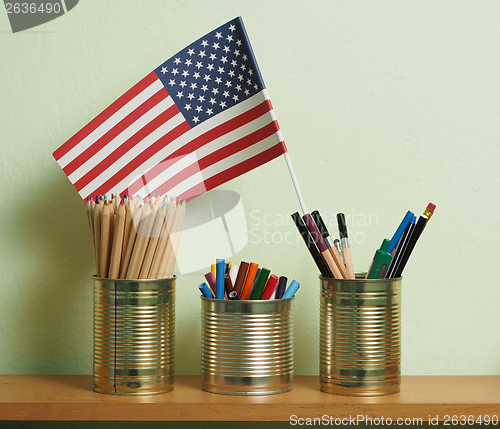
(134,336)
(246,346)
(360,336)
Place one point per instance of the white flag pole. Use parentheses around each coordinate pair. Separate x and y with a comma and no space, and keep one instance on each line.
(295,183)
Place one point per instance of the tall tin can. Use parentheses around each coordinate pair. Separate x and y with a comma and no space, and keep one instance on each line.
(360,336)
(134,335)
(246,346)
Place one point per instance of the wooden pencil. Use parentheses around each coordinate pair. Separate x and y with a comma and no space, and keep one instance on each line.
(152,244)
(105,232)
(161,255)
(141,242)
(176,236)
(116,252)
(131,241)
(129,212)
(97,238)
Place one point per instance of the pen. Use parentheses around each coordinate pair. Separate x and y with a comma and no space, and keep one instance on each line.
(400,248)
(311,246)
(381,260)
(419,227)
(346,247)
(330,245)
(315,234)
(399,232)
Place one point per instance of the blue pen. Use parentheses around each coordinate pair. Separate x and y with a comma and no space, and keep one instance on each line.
(205,290)
(290,292)
(399,232)
(220,270)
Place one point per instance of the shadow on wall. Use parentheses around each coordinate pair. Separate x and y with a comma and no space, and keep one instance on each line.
(53,324)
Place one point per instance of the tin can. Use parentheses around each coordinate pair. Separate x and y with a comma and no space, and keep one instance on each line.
(246,346)
(134,334)
(360,336)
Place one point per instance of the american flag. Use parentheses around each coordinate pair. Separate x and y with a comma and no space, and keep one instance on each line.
(201,118)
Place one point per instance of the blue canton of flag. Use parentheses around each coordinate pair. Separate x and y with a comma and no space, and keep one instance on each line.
(212,74)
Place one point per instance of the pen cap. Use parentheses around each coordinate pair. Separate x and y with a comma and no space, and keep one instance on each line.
(342,225)
(381,254)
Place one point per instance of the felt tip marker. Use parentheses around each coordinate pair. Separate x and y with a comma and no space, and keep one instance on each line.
(234,295)
(219,278)
(280,290)
(381,260)
(270,287)
(205,290)
(260,284)
(290,292)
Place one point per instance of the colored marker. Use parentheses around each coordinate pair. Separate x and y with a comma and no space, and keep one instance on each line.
(346,247)
(228,285)
(399,232)
(260,283)
(311,246)
(233,272)
(290,292)
(219,278)
(234,296)
(247,287)
(240,278)
(419,227)
(270,287)
(210,279)
(280,290)
(205,290)
(381,260)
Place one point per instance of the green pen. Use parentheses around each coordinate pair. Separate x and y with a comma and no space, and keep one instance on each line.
(381,259)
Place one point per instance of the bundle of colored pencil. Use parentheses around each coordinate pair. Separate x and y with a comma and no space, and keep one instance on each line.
(135,238)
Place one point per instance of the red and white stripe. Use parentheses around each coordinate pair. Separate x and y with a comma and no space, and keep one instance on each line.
(142,144)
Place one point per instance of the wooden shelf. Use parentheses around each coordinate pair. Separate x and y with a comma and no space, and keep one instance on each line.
(60,397)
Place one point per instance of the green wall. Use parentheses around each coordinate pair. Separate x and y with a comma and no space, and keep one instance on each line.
(384,107)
